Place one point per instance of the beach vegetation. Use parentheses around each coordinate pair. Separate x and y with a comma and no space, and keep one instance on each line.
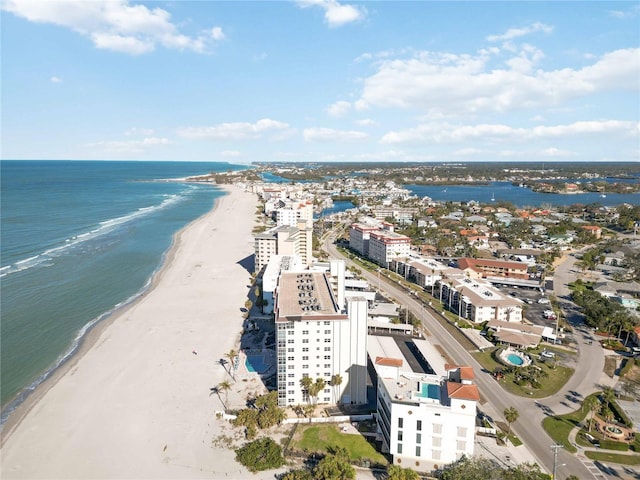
(396,472)
(261,454)
(334,466)
(479,467)
(262,413)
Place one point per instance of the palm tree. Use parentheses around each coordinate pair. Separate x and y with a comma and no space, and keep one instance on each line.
(593,405)
(224,387)
(336,381)
(231,355)
(511,415)
(306,383)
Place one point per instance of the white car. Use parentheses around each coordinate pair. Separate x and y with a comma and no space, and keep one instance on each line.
(546,354)
(543,301)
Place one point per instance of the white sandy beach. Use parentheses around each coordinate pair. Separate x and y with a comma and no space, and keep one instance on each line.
(137,403)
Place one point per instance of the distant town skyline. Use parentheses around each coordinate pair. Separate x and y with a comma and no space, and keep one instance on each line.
(320,80)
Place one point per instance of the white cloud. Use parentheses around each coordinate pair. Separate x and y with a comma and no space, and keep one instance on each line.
(440,83)
(137,131)
(114,24)
(520,32)
(335,13)
(331,135)
(55,79)
(450,134)
(237,130)
(217,34)
(339,109)
(130,146)
(367,122)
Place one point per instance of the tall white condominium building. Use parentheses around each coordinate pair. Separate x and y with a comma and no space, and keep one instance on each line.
(317,337)
(423,417)
(386,246)
(477,301)
(283,240)
(293,214)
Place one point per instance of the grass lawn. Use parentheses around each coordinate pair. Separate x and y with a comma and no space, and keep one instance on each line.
(614,458)
(319,438)
(558,427)
(549,385)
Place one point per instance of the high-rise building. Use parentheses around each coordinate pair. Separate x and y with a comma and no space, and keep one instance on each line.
(319,338)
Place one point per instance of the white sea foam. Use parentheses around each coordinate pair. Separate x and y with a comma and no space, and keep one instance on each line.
(103,228)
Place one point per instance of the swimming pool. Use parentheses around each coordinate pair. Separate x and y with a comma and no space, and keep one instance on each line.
(515,359)
(429,390)
(256,363)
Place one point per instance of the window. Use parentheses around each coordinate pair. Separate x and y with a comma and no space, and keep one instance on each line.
(399,448)
(461,445)
(327,323)
(290,359)
(437,428)
(304,340)
(305,349)
(290,392)
(290,340)
(399,435)
(291,375)
(400,422)
(327,357)
(327,332)
(418,438)
(462,431)
(305,332)
(327,349)
(291,350)
(417,450)
(291,384)
(290,367)
(305,357)
(326,340)
(305,367)
(437,441)
(419,425)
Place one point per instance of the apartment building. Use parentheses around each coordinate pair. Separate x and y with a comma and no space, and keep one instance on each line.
(319,338)
(495,268)
(477,301)
(423,417)
(386,246)
(294,213)
(359,236)
(283,240)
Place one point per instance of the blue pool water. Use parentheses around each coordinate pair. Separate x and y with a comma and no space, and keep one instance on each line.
(515,359)
(256,363)
(429,390)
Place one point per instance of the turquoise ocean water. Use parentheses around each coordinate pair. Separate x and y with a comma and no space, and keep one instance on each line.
(78,239)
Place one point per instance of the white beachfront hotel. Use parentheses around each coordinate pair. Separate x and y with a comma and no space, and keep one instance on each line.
(423,418)
(320,334)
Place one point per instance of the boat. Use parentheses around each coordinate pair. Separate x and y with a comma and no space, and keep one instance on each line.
(493,197)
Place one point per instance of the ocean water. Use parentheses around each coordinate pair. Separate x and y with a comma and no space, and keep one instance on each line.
(78,239)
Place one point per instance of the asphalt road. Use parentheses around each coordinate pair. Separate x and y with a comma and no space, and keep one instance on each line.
(528,426)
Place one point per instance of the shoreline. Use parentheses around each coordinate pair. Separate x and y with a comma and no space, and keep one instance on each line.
(142,325)
(93,333)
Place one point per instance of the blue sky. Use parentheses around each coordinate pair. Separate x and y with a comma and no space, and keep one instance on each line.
(320,80)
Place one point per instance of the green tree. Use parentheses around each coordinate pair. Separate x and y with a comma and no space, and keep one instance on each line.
(396,472)
(334,466)
(305,383)
(231,355)
(511,415)
(592,404)
(300,474)
(224,387)
(336,381)
(261,454)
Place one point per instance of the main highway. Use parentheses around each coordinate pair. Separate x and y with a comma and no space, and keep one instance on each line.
(528,427)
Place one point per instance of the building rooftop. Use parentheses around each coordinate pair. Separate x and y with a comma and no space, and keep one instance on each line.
(306,295)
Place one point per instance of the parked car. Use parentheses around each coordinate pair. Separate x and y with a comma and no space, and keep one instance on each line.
(543,301)
(547,354)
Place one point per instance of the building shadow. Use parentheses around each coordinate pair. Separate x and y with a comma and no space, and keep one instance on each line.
(248,263)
